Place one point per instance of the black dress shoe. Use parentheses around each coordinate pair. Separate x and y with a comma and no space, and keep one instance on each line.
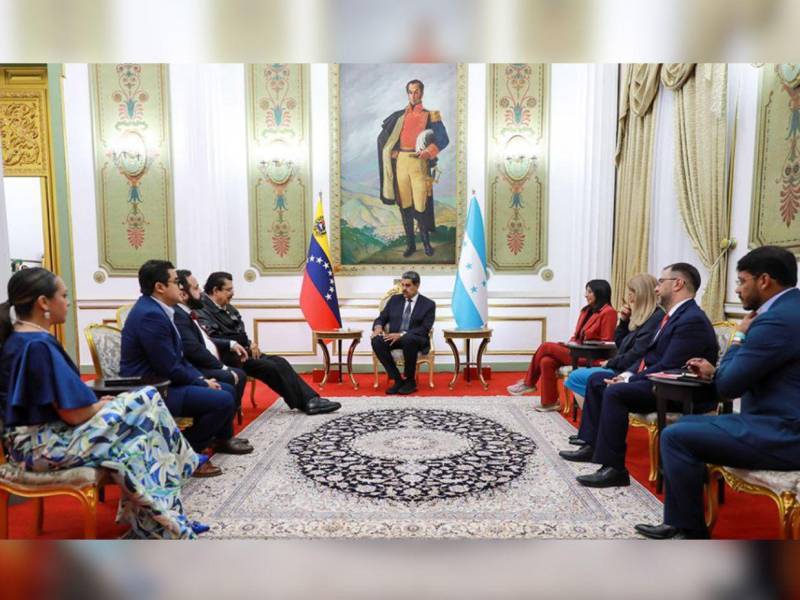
(409,387)
(318,406)
(668,532)
(605,477)
(231,446)
(574,437)
(583,454)
(394,388)
(578,442)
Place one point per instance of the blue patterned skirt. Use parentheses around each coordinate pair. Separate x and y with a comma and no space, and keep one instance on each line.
(133,436)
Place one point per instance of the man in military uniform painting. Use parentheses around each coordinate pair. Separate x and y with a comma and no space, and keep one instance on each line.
(409,142)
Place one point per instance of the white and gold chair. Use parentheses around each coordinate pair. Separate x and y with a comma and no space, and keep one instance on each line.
(122,314)
(105,346)
(82,483)
(724,331)
(422,359)
(783,487)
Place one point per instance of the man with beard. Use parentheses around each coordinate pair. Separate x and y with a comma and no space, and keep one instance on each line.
(220,319)
(684,332)
(199,348)
(762,366)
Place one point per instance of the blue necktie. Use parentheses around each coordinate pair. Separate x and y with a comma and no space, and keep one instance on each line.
(406,317)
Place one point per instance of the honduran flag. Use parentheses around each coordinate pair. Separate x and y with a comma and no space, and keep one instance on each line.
(318,299)
(471,294)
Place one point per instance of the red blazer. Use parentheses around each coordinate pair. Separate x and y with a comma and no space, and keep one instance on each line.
(600,326)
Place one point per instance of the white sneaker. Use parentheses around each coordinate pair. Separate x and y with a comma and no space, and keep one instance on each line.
(520,388)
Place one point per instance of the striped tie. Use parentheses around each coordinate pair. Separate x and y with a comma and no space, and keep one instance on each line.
(406,317)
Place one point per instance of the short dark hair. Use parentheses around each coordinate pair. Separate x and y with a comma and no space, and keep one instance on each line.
(778,263)
(602,292)
(216,280)
(152,272)
(412,275)
(183,278)
(419,83)
(689,274)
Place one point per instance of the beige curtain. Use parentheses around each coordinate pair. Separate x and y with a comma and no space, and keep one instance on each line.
(701,127)
(634,158)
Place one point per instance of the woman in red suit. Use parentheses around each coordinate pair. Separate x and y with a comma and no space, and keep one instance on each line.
(597,321)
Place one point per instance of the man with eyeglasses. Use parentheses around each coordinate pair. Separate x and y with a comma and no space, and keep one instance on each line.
(762,366)
(152,347)
(684,332)
(220,319)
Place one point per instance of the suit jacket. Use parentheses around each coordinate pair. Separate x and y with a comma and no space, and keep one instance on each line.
(633,344)
(765,371)
(687,334)
(194,346)
(599,326)
(422,318)
(151,346)
(225,323)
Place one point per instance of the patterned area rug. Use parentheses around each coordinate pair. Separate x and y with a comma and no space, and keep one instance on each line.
(423,467)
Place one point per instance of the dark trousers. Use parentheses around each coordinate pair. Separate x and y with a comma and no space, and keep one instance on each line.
(592,407)
(409,344)
(226,376)
(618,400)
(686,448)
(279,375)
(212,411)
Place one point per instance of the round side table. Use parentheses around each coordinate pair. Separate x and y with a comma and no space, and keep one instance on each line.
(468,334)
(320,335)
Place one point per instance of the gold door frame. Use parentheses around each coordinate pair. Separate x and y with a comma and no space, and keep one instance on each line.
(27,145)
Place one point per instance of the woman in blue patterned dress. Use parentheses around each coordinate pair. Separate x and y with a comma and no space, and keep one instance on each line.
(53,420)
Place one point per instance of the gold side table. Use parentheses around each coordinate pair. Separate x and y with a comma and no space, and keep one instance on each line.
(338,335)
(468,334)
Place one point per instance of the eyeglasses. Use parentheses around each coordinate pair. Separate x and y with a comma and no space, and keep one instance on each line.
(660,281)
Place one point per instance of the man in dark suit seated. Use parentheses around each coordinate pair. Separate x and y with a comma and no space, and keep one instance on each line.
(151,347)
(200,349)
(220,319)
(409,317)
(762,366)
(684,332)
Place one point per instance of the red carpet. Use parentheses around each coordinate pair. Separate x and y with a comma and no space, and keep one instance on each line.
(742,516)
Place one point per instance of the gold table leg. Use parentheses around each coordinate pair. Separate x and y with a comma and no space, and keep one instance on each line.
(457,360)
(326,361)
(350,354)
(481,349)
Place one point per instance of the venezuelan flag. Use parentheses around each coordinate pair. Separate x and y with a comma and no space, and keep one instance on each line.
(318,299)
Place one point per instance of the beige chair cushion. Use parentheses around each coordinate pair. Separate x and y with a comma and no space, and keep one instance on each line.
(397,355)
(777,481)
(651,418)
(78,477)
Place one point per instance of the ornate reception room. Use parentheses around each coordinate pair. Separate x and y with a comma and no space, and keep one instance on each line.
(418,296)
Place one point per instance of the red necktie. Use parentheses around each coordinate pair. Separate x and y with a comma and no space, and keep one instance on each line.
(193,315)
(660,327)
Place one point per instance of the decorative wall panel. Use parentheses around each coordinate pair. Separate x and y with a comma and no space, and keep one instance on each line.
(775,217)
(278,165)
(130,117)
(517,164)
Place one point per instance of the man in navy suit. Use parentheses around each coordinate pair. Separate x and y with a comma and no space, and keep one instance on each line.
(762,366)
(684,332)
(203,351)
(404,324)
(151,347)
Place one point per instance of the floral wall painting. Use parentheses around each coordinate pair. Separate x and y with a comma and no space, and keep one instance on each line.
(397,177)
(130,120)
(775,217)
(517,146)
(278,165)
